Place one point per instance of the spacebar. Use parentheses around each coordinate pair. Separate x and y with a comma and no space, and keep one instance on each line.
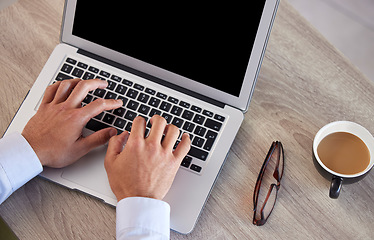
(95,125)
(198,153)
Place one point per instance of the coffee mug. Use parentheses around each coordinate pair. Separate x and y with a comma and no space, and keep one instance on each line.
(337,179)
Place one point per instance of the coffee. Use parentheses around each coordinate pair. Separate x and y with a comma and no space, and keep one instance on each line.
(344,153)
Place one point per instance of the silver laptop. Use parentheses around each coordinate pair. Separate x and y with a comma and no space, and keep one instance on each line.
(194,64)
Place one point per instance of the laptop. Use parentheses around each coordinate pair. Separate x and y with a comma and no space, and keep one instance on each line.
(194,64)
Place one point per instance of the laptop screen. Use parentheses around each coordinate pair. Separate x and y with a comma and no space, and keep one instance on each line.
(210,44)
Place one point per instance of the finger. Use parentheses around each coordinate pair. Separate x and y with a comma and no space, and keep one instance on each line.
(81,90)
(183,147)
(157,129)
(171,136)
(138,127)
(116,145)
(96,139)
(64,90)
(99,105)
(50,92)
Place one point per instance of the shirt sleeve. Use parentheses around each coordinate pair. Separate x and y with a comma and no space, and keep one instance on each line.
(143,218)
(18,164)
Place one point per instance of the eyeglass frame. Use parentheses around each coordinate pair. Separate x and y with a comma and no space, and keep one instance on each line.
(278,176)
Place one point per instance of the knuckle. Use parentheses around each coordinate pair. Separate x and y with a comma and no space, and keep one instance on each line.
(100,102)
(65,83)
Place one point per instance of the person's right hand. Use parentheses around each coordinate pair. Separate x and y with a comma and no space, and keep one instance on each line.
(145,167)
(55,131)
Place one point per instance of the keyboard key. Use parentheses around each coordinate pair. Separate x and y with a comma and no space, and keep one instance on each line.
(109,118)
(211,135)
(111,95)
(111,85)
(132,93)
(187,115)
(184,104)
(154,102)
(197,141)
(62,77)
(199,119)
(176,110)
(188,126)
(196,109)
(93,69)
(130,115)
(87,99)
(165,106)
(167,117)
(133,105)
(208,113)
(143,98)
(127,82)
(66,68)
(128,126)
(173,100)
(143,109)
(219,118)
(186,162)
(213,124)
(77,72)
(116,78)
(139,87)
(96,125)
(120,123)
(88,75)
(198,153)
(154,112)
(200,131)
(195,168)
(82,65)
(99,92)
(161,95)
(121,89)
(177,122)
(124,100)
(104,74)
(119,112)
(208,144)
(71,61)
(99,116)
(150,91)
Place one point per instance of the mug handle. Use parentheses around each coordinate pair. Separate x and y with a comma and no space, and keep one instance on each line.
(336,186)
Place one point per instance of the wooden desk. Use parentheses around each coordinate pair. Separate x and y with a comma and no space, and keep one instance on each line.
(304,84)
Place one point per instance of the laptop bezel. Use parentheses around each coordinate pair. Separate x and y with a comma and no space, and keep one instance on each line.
(241,102)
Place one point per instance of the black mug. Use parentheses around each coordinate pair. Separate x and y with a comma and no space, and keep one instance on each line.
(337,179)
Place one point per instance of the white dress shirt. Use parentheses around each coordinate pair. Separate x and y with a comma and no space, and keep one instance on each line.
(137,217)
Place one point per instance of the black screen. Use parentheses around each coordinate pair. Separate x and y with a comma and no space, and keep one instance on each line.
(208,43)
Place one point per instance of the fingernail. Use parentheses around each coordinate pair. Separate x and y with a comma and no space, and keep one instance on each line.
(112,132)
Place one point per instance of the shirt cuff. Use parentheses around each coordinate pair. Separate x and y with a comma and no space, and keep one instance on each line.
(138,216)
(18,160)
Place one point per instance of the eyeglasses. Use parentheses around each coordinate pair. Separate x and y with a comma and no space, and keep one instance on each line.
(268,184)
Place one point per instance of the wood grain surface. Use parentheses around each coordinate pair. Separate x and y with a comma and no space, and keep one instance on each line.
(304,84)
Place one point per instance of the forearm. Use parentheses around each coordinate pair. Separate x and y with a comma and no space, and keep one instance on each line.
(18,164)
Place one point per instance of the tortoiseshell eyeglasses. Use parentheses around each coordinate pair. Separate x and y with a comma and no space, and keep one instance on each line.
(268,184)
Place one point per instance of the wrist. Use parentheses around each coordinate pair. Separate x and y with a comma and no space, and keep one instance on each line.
(35,148)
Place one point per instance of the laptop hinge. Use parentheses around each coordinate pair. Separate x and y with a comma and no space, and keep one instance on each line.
(152,78)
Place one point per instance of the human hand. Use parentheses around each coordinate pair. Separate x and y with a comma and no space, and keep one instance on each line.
(145,167)
(55,131)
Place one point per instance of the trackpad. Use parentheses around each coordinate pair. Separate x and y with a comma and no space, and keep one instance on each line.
(89,172)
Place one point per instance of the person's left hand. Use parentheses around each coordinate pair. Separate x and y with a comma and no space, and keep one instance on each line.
(55,131)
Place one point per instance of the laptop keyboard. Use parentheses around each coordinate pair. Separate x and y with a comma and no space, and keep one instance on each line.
(203,125)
